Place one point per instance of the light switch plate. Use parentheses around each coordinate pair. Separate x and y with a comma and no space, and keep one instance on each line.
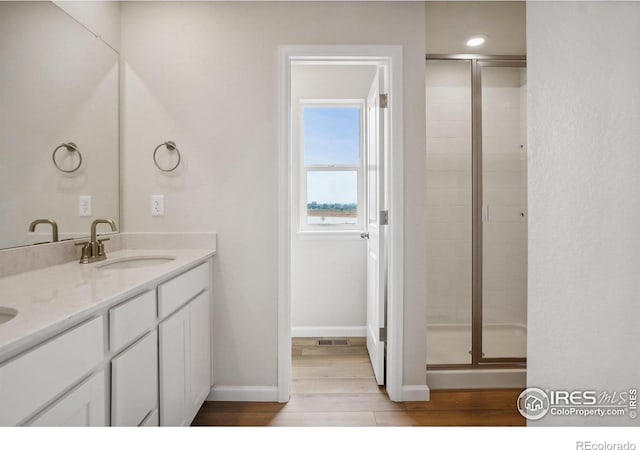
(157,205)
(84,206)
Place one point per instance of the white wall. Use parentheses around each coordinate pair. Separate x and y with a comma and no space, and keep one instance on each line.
(206,76)
(584,207)
(328,274)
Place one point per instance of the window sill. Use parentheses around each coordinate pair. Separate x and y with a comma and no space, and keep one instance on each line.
(338,235)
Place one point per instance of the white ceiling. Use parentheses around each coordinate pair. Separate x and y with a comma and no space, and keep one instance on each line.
(449,24)
(332,81)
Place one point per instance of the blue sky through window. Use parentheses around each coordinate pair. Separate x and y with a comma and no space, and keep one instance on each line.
(331,135)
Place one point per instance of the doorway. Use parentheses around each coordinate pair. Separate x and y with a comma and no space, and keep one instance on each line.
(337,244)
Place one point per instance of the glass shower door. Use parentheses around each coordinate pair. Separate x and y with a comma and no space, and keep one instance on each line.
(449,212)
(503,202)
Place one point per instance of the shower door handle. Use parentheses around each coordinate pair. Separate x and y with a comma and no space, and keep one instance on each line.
(364,235)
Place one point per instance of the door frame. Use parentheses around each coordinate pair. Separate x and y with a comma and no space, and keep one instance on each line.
(390,56)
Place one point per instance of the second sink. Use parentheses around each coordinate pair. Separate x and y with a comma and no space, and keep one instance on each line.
(132,262)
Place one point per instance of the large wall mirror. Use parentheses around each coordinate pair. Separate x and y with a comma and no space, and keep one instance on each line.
(58,85)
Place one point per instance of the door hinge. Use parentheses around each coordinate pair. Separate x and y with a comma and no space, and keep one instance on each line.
(384,100)
(384,217)
(383,335)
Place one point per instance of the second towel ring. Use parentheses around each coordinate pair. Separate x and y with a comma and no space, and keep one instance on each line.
(171,146)
(70,146)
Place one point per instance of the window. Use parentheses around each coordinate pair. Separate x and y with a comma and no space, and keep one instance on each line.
(331,177)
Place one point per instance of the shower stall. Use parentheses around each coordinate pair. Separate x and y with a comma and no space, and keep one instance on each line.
(476,183)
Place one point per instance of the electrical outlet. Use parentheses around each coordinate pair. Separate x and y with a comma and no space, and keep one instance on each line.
(157,205)
(84,206)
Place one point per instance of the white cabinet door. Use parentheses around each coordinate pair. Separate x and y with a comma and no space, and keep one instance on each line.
(83,406)
(185,362)
(175,369)
(134,382)
(200,336)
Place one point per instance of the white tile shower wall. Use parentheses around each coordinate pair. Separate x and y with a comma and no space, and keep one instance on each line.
(448,187)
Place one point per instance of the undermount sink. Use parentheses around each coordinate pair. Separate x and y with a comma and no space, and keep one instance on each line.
(6,314)
(133,262)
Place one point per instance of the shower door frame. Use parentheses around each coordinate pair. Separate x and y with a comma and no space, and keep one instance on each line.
(477,62)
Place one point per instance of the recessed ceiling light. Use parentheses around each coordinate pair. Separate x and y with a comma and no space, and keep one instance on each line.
(476,41)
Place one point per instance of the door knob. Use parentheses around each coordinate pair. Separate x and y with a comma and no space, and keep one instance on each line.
(364,235)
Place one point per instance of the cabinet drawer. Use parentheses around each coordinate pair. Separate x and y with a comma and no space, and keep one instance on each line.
(177,292)
(34,378)
(134,382)
(131,320)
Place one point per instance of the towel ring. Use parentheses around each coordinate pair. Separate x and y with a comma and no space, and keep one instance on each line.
(171,146)
(70,146)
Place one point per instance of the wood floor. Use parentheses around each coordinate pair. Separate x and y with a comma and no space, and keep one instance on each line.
(335,386)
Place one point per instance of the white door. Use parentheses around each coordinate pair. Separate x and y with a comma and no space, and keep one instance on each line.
(376,264)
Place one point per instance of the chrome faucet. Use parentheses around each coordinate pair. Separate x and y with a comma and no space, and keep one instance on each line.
(54,227)
(93,250)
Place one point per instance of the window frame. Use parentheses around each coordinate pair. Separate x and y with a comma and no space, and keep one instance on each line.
(316,229)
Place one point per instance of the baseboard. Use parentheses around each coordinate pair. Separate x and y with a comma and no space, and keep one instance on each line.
(415,393)
(328,331)
(243,394)
(477,379)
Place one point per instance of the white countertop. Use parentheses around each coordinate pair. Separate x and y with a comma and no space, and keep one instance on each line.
(55,298)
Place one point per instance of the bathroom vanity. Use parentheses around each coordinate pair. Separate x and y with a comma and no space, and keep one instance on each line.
(124,342)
